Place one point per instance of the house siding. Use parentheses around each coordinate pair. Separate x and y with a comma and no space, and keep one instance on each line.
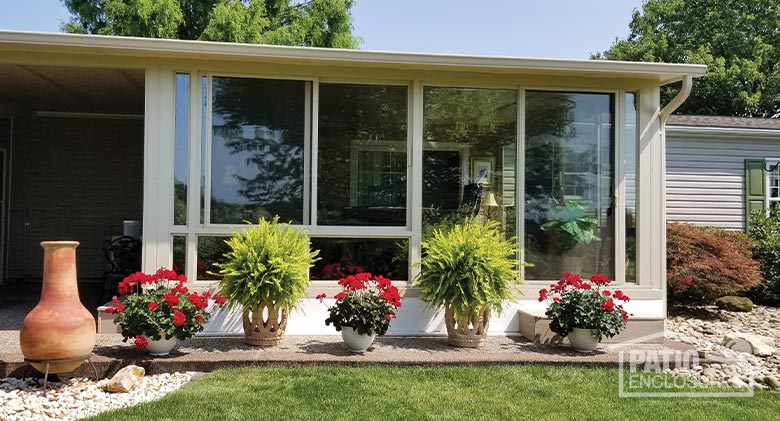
(705,178)
(73,179)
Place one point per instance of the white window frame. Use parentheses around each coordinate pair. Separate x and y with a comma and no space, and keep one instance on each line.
(768,199)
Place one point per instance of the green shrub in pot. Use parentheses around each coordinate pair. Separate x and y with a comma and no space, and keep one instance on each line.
(266,273)
(470,270)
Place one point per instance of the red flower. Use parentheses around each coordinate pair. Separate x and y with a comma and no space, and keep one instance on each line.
(179,318)
(556,299)
(199,318)
(607,293)
(542,294)
(321,296)
(340,295)
(599,279)
(220,300)
(625,316)
(140,342)
(171,299)
(181,289)
(389,317)
(153,305)
(620,296)
(115,300)
(608,305)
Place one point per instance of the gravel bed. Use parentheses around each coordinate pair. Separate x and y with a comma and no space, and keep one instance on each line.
(705,327)
(23,399)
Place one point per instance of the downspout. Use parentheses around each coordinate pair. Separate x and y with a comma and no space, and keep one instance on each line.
(674,104)
(687,84)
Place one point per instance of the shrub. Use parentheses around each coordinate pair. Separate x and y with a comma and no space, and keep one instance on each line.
(765,232)
(471,266)
(267,261)
(705,263)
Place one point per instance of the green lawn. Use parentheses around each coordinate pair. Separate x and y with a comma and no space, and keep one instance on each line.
(489,392)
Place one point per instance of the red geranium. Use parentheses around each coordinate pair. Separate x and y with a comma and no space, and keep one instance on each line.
(160,306)
(367,304)
(574,302)
(140,342)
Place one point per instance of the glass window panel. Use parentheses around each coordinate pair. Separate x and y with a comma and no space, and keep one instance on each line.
(258,135)
(204,111)
(362,165)
(568,179)
(179,254)
(469,156)
(631,164)
(181,149)
(210,250)
(388,257)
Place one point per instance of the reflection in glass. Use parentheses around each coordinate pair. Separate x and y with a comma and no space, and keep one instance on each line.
(210,250)
(569,220)
(181,146)
(632,140)
(469,156)
(388,257)
(258,134)
(362,155)
(179,254)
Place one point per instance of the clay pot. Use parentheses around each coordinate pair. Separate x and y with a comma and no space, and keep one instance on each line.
(470,330)
(265,324)
(59,327)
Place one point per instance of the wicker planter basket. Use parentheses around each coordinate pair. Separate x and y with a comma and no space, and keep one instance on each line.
(468,332)
(265,324)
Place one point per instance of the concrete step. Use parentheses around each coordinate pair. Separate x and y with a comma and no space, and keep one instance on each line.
(535,326)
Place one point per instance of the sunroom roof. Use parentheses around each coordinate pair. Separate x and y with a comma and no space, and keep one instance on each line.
(20,41)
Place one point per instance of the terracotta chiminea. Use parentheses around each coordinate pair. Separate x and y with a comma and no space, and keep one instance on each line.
(59,327)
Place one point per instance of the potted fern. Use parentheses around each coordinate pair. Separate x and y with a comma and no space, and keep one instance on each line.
(470,270)
(266,274)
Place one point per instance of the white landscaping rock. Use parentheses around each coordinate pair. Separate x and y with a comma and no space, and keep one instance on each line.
(763,346)
(125,379)
(23,399)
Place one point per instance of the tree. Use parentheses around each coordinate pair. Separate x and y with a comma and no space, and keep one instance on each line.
(738,40)
(313,23)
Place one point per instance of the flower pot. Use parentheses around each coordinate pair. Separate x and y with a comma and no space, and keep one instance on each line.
(265,324)
(470,331)
(355,342)
(583,340)
(59,327)
(161,347)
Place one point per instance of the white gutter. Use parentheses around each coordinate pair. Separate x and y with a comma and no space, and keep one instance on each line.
(174,49)
(687,84)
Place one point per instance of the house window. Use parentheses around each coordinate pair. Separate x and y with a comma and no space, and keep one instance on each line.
(258,131)
(630,158)
(362,155)
(469,156)
(569,148)
(773,183)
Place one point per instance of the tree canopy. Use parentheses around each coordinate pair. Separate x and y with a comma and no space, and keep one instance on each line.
(738,40)
(313,23)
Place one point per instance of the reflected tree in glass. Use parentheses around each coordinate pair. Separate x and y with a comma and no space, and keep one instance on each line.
(257,149)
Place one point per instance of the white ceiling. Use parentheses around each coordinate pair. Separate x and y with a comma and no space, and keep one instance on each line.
(26,89)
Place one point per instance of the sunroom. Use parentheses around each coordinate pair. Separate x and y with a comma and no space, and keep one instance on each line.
(368,152)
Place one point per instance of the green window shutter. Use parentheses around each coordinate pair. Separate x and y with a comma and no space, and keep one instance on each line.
(755,188)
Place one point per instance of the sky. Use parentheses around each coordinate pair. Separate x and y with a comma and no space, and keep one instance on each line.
(522,28)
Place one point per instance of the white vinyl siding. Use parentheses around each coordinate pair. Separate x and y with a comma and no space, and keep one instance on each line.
(705,178)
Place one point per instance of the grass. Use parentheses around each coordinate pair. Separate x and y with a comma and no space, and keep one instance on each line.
(431,393)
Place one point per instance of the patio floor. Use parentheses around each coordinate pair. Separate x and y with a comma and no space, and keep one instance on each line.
(209,353)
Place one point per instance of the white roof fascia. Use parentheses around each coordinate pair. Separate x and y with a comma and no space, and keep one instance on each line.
(169,48)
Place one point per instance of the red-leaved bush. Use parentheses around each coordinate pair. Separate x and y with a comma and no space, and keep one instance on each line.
(705,263)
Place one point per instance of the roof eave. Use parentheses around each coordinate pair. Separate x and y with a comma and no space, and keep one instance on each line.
(184,49)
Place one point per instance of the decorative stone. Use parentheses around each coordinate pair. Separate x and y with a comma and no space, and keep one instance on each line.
(772,382)
(734,303)
(737,382)
(762,346)
(125,379)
